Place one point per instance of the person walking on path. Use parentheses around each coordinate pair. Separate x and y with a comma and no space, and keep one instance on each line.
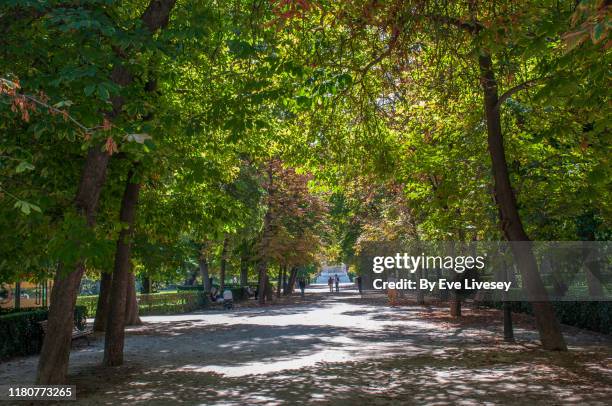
(302,283)
(330,283)
(337,280)
(358,280)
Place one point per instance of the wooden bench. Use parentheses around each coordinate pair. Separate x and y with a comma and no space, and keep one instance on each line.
(76,333)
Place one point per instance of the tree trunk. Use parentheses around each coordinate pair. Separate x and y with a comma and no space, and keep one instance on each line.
(455,307)
(508,329)
(223,265)
(592,265)
(190,281)
(420,293)
(279,285)
(269,290)
(292,278)
(55,352)
(284,280)
(592,270)
(146,285)
(115,334)
(103,301)
(262,265)
(262,270)
(511,224)
(244,271)
(131,304)
(203,262)
(53,361)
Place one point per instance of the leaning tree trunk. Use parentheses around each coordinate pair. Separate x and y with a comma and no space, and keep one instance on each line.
(511,224)
(131,305)
(106,280)
(55,352)
(115,334)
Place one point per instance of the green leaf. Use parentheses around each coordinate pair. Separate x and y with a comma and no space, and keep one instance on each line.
(139,138)
(597,33)
(25,207)
(24,166)
(89,90)
(63,103)
(103,92)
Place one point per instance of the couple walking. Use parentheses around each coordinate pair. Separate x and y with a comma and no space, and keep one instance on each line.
(331,281)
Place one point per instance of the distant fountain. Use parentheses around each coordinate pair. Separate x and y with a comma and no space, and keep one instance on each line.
(333,270)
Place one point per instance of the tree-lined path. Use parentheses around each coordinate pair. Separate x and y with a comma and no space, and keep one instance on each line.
(159,156)
(337,349)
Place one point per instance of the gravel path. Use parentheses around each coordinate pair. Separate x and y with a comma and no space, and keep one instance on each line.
(336,349)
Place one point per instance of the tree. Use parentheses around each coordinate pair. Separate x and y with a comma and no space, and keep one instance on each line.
(402,56)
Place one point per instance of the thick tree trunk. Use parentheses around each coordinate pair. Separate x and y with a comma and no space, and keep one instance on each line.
(131,305)
(103,301)
(511,224)
(223,265)
(115,334)
(55,352)
(203,262)
(244,271)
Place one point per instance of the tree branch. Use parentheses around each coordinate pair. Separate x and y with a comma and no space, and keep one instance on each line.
(515,89)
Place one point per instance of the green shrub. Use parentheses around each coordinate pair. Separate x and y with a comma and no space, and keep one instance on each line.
(90,303)
(594,316)
(21,331)
(180,302)
(197,288)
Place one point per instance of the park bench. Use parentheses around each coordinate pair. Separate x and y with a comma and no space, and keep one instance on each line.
(76,333)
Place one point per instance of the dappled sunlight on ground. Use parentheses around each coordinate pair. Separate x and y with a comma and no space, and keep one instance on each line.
(339,349)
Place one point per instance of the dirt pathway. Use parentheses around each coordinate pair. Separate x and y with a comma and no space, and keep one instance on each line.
(336,349)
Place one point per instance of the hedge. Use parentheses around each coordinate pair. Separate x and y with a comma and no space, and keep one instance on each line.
(238,292)
(181,302)
(594,316)
(21,331)
(155,303)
